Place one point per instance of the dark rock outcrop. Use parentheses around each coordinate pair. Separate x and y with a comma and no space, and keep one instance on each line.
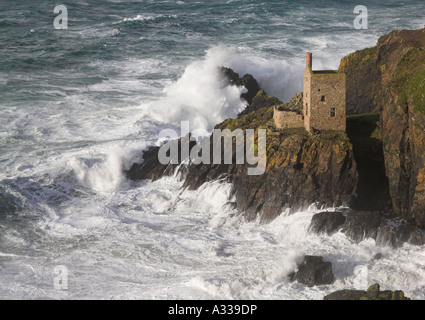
(247,81)
(373,293)
(412,235)
(150,167)
(313,271)
(301,169)
(326,222)
(387,236)
(360,225)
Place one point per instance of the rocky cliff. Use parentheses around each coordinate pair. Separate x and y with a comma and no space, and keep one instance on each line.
(390,78)
(301,169)
(380,165)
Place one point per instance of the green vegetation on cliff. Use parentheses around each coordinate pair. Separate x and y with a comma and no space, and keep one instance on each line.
(283,145)
(409,81)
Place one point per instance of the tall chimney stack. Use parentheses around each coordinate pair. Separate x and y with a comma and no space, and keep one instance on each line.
(309,60)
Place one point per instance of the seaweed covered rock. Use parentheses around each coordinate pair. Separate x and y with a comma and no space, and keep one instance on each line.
(313,271)
(373,293)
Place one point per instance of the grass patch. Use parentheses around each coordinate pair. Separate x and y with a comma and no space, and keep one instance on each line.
(409,82)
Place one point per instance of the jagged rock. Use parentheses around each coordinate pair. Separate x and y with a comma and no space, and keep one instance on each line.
(373,293)
(301,169)
(387,236)
(360,225)
(230,77)
(247,81)
(313,271)
(152,169)
(326,222)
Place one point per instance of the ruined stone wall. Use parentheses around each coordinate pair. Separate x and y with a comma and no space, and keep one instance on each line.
(284,119)
(328,101)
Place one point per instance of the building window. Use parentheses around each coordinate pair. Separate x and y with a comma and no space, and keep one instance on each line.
(332,113)
(318,89)
(323,98)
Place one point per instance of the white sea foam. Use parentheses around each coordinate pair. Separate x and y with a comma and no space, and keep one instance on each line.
(140,17)
(199,96)
(106,174)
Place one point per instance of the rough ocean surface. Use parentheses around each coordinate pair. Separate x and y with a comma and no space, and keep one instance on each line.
(78,105)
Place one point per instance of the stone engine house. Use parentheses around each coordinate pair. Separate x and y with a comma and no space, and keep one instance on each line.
(324,102)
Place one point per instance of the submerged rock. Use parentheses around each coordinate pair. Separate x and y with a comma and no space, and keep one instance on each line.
(313,271)
(372,293)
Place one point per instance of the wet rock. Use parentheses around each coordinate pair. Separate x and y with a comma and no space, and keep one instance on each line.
(387,236)
(412,235)
(373,293)
(247,81)
(313,271)
(326,222)
(360,225)
(301,169)
(378,256)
